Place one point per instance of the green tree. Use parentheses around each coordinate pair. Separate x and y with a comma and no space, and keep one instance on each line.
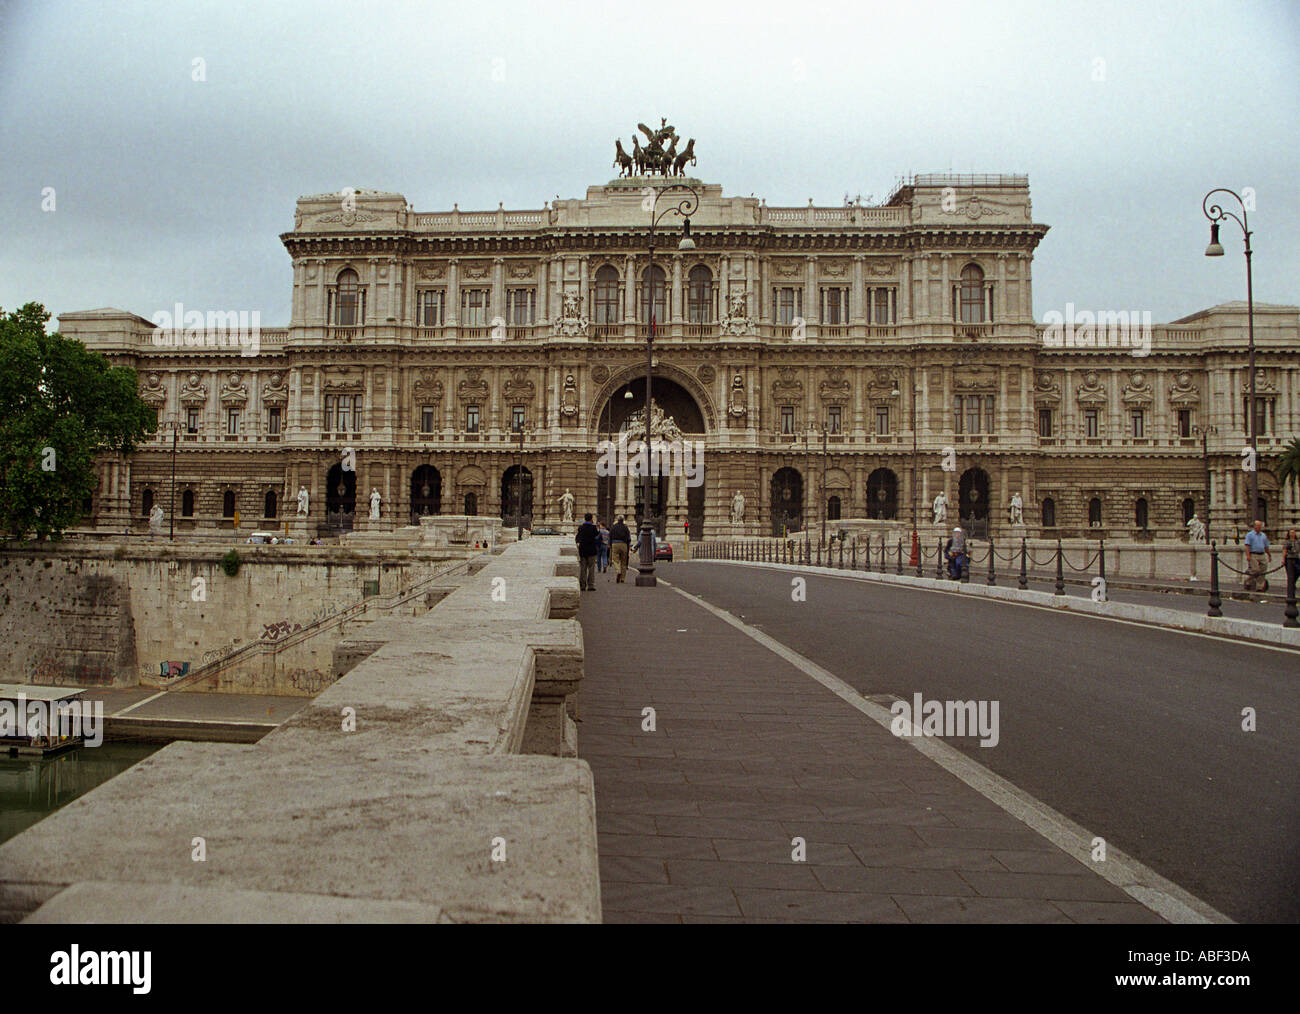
(1288,469)
(60,404)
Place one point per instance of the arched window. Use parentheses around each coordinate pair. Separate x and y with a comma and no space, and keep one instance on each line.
(1049,513)
(228,504)
(607,296)
(147,502)
(972,295)
(1140,513)
(1094,512)
(269,504)
(699,304)
(187,504)
(833,509)
(348,299)
(660,296)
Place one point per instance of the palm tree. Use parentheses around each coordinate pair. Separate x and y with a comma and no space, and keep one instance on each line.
(1288,468)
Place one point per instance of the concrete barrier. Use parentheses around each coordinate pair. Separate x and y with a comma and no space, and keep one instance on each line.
(437,774)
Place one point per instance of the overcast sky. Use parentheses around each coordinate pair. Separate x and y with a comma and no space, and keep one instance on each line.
(170,189)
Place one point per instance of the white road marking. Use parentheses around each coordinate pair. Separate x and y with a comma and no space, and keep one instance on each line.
(1140,882)
(138,704)
(810,572)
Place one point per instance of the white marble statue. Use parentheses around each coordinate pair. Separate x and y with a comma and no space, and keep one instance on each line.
(375,500)
(1017,510)
(566,505)
(156,520)
(303,500)
(1196,530)
(737,508)
(941,508)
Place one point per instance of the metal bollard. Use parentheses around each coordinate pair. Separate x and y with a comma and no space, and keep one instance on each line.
(1060,574)
(1101,567)
(819,552)
(841,554)
(938,560)
(900,555)
(1215,600)
(1291,575)
(854,552)
(1024,574)
(992,579)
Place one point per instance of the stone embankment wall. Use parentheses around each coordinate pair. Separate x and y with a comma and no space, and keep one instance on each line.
(104,614)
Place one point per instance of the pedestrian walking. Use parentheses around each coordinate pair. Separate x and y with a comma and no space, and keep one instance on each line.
(1291,556)
(588,540)
(619,541)
(602,555)
(1257,556)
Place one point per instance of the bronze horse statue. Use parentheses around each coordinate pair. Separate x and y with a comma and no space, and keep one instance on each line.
(622,160)
(688,155)
(638,155)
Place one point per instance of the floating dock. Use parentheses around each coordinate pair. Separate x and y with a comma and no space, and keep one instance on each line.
(14,717)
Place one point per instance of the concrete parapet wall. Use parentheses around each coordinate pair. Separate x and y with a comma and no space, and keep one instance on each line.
(399,793)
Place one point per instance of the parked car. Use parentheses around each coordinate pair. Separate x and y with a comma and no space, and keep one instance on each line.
(664,551)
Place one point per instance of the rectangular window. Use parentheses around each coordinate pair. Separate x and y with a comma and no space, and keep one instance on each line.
(1091,422)
(1184,422)
(474,307)
(431,308)
(516,418)
(787,419)
(972,414)
(835,306)
(329,412)
(1139,424)
(426,419)
(1261,416)
(232,420)
(471,418)
(356,413)
(882,315)
(520,304)
(273,420)
(882,420)
(1044,422)
(988,413)
(788,302)
(833,418)
(191,420)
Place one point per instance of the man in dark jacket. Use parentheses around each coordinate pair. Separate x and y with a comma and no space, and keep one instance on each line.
(620,539)
(588,540)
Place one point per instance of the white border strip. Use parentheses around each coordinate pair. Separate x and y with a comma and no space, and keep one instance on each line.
(1163,897)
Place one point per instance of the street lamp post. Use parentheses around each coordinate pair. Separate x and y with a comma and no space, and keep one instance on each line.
(1204,432)
(685,207)
(519,485)
(175,426)
(1215,213)
(821,499)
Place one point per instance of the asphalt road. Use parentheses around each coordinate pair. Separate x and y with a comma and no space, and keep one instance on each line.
(1134,732)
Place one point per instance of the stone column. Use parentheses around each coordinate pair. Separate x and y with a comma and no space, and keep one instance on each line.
(812,296)
(543,304)
(1001,315)
(858,314)
(752,283)
(498,289)
(945,288)
(453,292)
(583,287)
(675,314)
(629,290)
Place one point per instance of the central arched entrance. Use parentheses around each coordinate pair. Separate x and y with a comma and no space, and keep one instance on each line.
(517,497)
(973,502)
(882,495)
(787,501)
(426,492)
(340,498)
(677,431)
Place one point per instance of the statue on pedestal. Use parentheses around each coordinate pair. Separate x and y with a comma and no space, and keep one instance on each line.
(1196,530)
(1016,510)
(566,505)
(156,520)
(375,500)
(303,500)
(737,508)
(941,508)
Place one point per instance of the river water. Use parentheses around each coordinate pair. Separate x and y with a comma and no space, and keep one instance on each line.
(32,788)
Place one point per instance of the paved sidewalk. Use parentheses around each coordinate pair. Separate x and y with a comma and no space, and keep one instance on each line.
(696,819)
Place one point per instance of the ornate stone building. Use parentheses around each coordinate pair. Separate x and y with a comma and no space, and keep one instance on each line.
(808,348)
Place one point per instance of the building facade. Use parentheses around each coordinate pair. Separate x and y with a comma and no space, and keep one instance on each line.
(835,363)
